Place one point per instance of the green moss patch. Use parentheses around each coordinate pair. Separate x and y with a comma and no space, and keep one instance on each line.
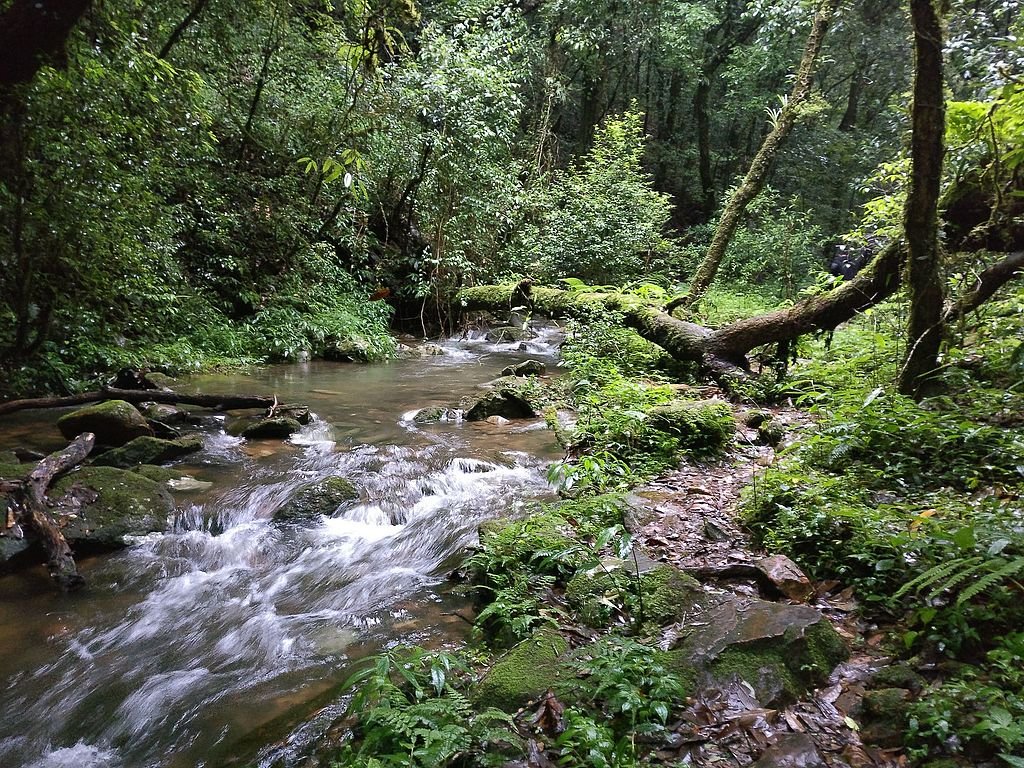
(523,674)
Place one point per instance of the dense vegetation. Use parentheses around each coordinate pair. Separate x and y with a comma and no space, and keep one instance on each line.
(192,184)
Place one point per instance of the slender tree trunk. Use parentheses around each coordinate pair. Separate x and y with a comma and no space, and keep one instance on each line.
(925,326)
(183,25)
(757,174)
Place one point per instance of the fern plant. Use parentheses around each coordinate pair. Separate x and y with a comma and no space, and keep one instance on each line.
(409,709)
(988,573)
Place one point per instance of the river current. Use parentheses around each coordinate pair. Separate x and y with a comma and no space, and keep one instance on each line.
(221,642)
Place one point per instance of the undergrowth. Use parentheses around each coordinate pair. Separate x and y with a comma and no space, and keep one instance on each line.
(919,507)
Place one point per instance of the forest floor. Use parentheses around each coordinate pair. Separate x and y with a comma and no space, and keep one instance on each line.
(693,524)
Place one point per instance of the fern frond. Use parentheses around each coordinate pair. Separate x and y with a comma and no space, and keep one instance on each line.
(1007,571)
(935,574)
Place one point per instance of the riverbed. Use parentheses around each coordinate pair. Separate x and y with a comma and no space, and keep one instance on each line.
(223,641)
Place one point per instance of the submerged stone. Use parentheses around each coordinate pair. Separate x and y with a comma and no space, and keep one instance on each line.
(433,414)
(149,450)
(114,422)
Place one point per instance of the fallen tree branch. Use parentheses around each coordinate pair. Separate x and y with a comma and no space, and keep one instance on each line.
(989,281)
(135,396)
(30,499)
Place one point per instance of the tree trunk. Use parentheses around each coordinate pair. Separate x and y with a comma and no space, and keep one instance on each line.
(925,326)
(218,402)
(183,25)
(33,33)
(757,174)
(32,501)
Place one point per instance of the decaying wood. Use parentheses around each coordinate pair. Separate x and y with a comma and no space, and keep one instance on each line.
(217,402)
(720,353)
(30,500)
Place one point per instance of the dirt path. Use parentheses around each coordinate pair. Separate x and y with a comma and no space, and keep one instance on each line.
(689,520)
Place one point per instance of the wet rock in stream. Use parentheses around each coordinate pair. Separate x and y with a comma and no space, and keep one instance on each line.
(320,499)
(114,422)
(149,450)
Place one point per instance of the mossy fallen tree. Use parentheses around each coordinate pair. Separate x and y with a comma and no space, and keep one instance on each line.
(722,352)
(217,402)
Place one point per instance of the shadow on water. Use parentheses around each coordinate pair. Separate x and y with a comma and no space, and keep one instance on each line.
(202,645)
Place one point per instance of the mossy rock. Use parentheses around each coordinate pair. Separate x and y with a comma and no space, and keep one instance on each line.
(525,368)
(8,457)
(700,427)
(149,450)
(109,504)
(666,594)
(323,498)
(17,553)
(278,428)
(886,716)
(529,544)
(508,334)
(771,432)
(12,470)
(114,422)
(433,414)
(500,402)
(355,349)
(898,676)
(780,650)
(161,380)
(523,674)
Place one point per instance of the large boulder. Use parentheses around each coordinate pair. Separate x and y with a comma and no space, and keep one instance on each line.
(500,402)
(277,428)
(114,422)
(97,507)
(780,650)
(149,450)
(320,499)
(524,673)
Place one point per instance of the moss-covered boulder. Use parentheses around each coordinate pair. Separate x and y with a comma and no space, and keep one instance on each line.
(780,650)
(433,414)
(508,334)
(167,414)
(323,498)
(701,427)
(502,402)
(664,594)
(525,368)
(278,428)
(149,450)
(114,422)
(885,716)
(99,506)
(524,673)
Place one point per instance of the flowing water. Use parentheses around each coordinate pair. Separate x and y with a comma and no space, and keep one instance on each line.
(222,641)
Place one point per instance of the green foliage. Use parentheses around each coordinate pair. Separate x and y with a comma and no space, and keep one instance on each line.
(601,221)
(410,709)
(776,249)
(979,710)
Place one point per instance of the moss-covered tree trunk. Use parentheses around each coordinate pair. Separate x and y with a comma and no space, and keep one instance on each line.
(757,174)
(921,216)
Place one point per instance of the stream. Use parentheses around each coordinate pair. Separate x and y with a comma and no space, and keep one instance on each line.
(221,642)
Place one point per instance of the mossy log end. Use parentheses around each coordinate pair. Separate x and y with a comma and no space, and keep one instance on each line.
(720,353)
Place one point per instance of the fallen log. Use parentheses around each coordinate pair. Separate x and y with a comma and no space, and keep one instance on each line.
(136,396)
(722,352)
(31,503)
